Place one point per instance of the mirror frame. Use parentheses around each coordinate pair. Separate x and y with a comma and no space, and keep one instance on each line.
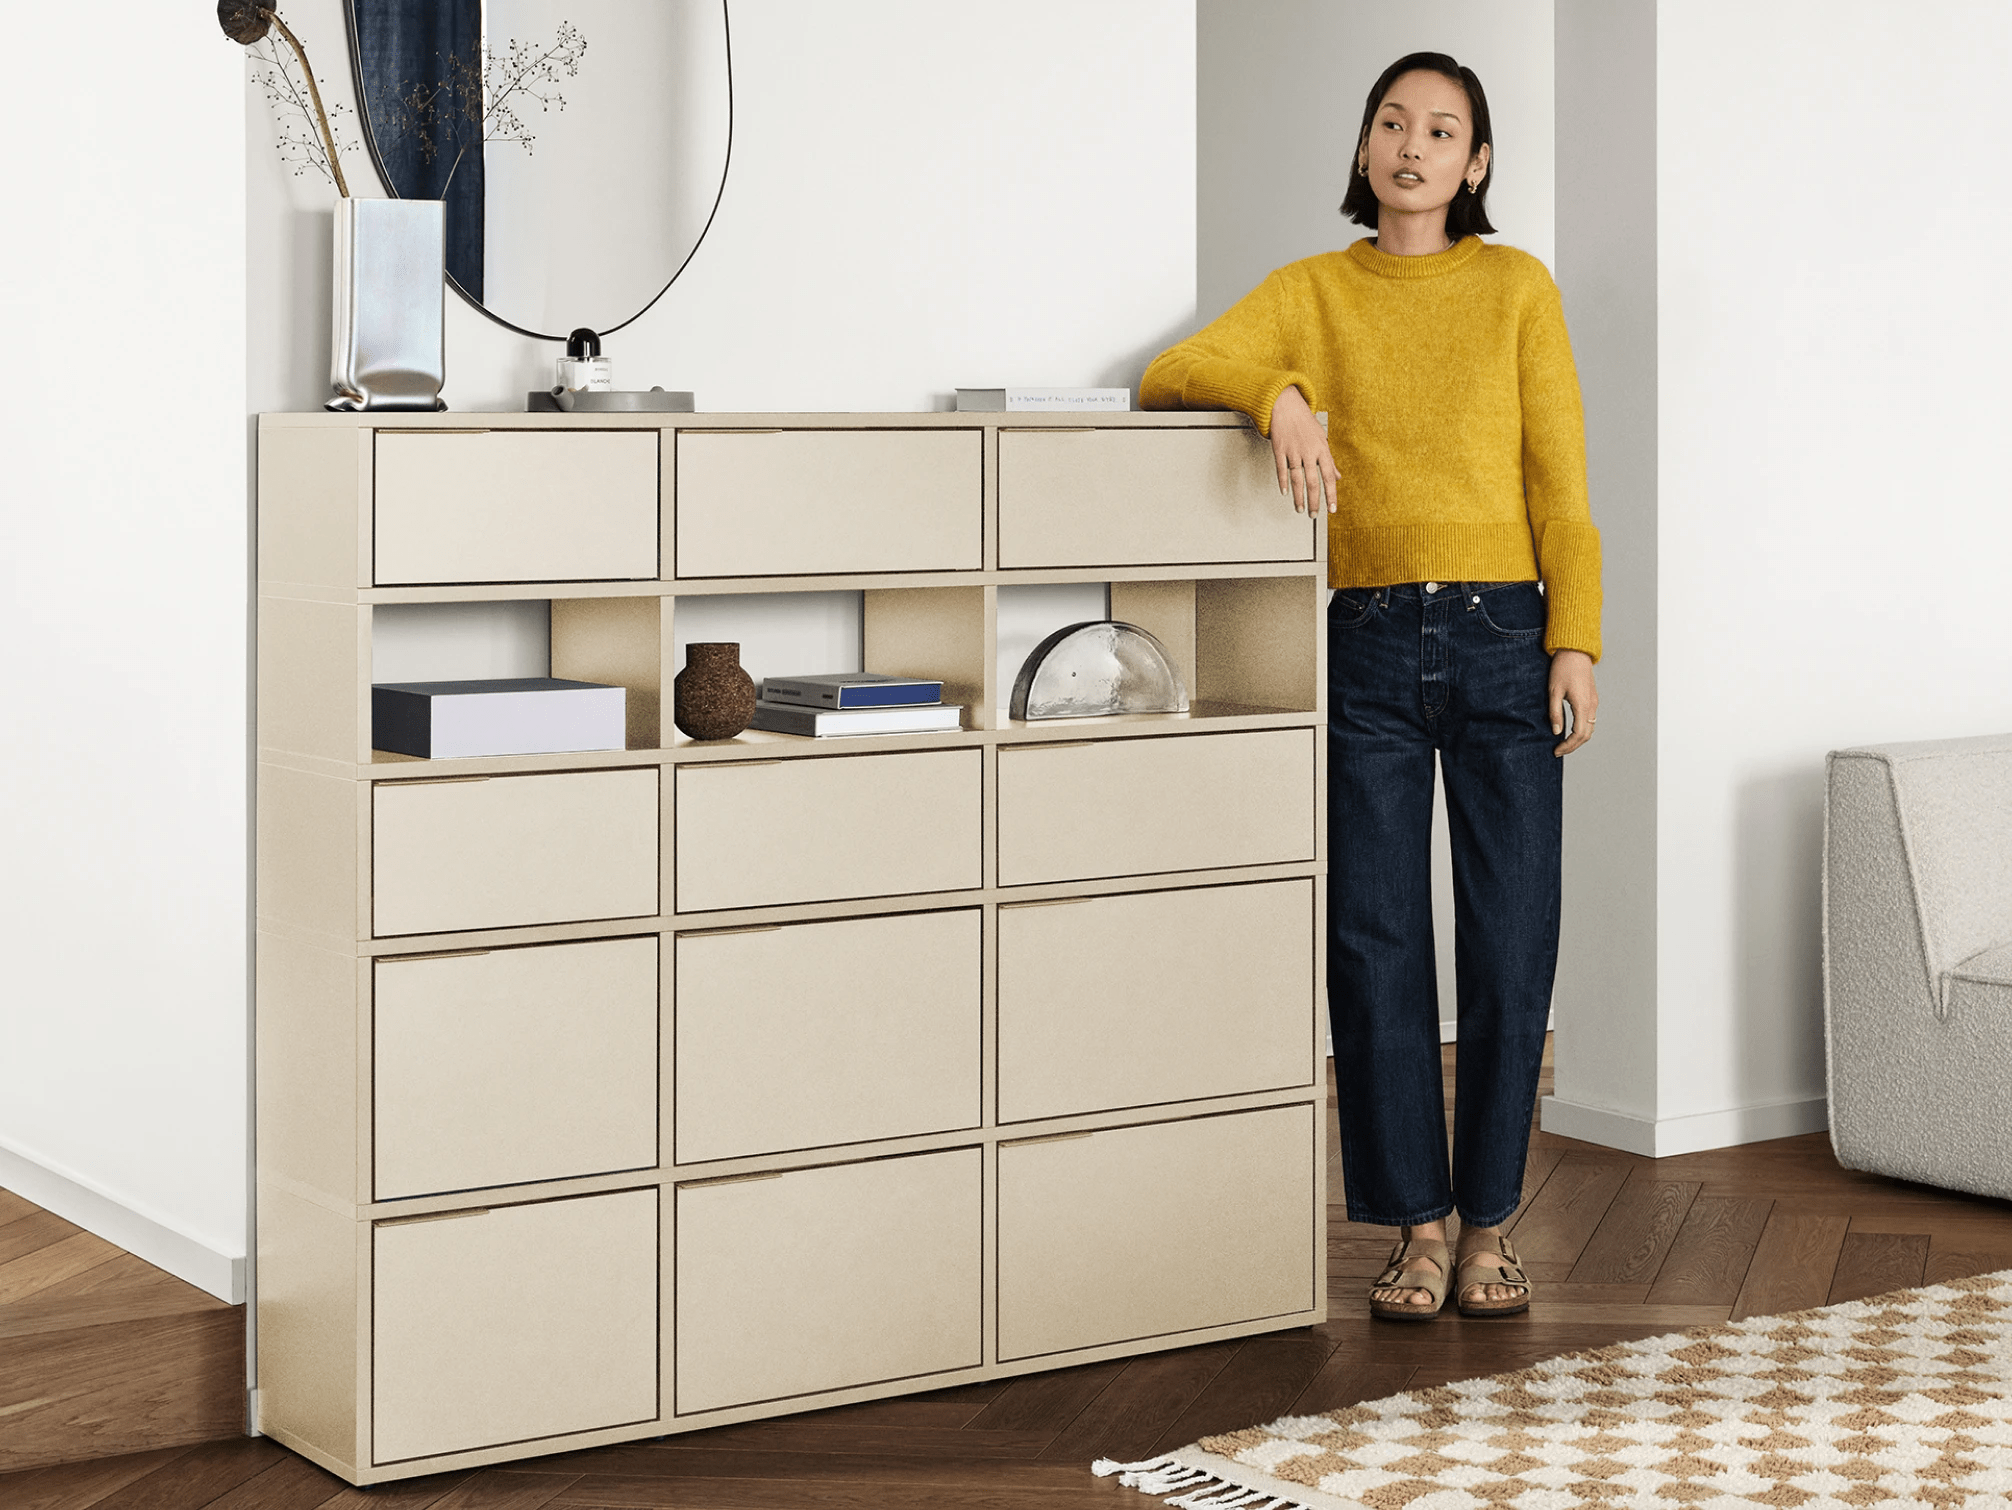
(384,177)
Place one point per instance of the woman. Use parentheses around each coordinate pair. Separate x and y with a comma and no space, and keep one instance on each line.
(1465,623)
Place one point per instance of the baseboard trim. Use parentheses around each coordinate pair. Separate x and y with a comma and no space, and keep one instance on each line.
(1668,1136)
(102,1214)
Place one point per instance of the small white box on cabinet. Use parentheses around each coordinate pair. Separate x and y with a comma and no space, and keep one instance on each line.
(519,715)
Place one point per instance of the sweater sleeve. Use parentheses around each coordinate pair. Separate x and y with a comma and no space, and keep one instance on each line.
(1554,477)
(1240,361)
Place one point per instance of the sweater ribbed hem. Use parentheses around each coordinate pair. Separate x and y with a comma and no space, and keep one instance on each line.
(1246,387)
(1384,265)
(1387,554)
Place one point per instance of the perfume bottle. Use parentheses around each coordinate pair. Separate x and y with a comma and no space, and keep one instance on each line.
(583,369)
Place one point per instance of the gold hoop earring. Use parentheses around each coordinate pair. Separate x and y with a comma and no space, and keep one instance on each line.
(1473,186)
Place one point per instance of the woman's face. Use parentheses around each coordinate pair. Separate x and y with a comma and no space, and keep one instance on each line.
(1416,154)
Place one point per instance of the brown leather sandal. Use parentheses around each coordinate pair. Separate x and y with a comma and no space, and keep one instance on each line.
(1396,1276)
(1469,1274)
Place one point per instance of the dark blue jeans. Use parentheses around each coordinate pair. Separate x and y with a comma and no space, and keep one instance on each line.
(1457,670)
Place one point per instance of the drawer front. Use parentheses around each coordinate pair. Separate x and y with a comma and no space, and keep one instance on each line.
(822,828)
(1129,807)
(1161,996)
(824,1033)
(1139,1232)
(1143,498)
(821,1279)
(777,503)
(513,850)
(516,506)
(513,1324)
(514,1065)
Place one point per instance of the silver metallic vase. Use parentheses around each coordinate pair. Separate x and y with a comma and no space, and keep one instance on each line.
(389,348)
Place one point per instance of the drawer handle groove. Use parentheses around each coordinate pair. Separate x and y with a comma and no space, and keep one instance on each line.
(399,959)
(720,933)
(732,1179)
(1058,744)
(1050,1138)
(437,781)
(431,1216)
(441,430)
(1041,902)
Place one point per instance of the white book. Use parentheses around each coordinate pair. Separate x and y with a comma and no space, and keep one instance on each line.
(1053,400)
(823,723)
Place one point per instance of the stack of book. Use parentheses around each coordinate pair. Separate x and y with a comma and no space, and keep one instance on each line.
(858,702)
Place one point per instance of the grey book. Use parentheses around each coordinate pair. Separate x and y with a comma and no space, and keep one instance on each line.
(851,689)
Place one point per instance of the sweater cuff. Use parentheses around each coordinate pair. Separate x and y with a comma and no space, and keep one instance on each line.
(1569,557)
(1247,387)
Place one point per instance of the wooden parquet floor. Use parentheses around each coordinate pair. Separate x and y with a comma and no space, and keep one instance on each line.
(1622,1247)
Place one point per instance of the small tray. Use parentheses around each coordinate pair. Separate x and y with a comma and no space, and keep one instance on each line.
(616,401)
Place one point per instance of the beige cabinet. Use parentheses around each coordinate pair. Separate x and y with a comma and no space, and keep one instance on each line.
(819,1279)
(815,1034)
(1136,1232)
(763,833)
(494,852)
(1104,497)
(814,502)
(523,506)
(612,1095)
(1223,975)
(512,1066)
(513,1323)
(1128,807)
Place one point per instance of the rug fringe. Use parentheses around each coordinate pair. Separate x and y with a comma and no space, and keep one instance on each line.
(1204,1491)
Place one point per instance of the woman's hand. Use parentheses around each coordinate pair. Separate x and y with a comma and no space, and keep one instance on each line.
(1572,682)
(1299,446)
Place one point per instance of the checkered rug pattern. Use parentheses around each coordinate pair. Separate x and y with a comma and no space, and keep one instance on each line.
(1903,1399)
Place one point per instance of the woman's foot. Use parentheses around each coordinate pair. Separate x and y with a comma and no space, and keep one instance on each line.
(1421,1264)
(1485,1251)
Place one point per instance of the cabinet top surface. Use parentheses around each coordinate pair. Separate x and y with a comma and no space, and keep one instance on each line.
(936,420)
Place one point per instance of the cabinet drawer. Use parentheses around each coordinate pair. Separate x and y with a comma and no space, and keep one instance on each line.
(516,506)
(1140,1232)
(1127,807)
(825,1033)
(1161,996)
(514,1065)
(821,828)
(513,1324)
(509,850)
(777,503)
(821,1279)
(1143,497)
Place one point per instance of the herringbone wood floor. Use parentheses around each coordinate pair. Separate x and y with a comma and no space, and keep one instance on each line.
(1622,1246)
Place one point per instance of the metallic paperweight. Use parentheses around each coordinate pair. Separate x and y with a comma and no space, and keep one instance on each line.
(1102,666)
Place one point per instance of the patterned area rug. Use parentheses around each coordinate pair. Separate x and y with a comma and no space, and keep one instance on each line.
(1904,1399)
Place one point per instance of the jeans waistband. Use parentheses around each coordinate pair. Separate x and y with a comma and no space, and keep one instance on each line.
(1435,592)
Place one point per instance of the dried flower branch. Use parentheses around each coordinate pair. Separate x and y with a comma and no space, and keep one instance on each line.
(246,23)
(301,146)
(479,101)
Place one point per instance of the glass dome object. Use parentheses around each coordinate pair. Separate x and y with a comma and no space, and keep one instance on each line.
(1098,667)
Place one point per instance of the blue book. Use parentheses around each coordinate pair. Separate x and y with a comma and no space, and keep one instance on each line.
(850,689)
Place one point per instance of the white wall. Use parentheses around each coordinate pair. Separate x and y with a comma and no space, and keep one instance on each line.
(123,571)
(1831,324)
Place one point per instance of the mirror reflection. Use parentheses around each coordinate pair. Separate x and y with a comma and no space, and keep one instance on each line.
(580,145)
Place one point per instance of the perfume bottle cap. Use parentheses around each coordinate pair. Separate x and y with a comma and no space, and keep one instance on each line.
(583,343)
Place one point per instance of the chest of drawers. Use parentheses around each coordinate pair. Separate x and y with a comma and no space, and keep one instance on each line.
(614,1095)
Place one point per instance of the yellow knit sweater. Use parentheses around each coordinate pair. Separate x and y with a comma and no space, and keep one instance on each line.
(1453,415)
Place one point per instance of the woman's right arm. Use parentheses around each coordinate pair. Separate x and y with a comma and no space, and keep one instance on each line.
(1242,361)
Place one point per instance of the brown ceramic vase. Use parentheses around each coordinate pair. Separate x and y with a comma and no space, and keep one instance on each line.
(712,698)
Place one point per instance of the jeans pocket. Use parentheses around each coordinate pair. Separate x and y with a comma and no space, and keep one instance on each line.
(1349,607)
(1515,611)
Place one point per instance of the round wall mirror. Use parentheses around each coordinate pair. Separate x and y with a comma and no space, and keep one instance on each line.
(580,145)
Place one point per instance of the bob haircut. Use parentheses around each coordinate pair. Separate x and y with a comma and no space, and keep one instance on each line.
(1468,214)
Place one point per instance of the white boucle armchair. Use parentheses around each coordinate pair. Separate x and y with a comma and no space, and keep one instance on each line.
(1917,961)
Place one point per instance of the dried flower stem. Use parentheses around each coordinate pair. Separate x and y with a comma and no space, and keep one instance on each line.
(327,136)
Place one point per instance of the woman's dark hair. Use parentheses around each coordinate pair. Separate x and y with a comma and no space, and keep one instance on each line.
(1468,214)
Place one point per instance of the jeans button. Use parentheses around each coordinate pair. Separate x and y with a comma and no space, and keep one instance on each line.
(1431,587)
